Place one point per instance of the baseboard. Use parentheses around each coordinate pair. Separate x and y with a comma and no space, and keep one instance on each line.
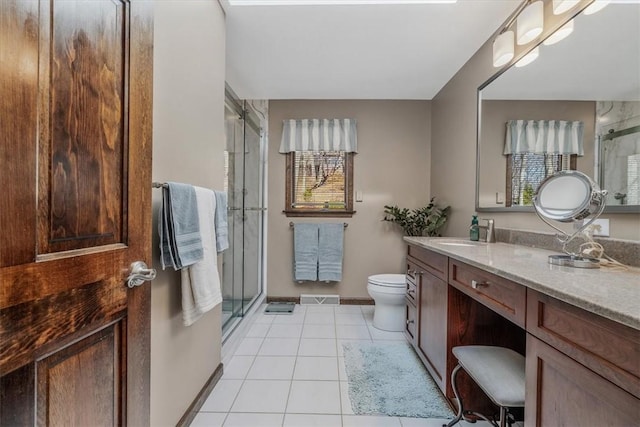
(343,301)
(197,403)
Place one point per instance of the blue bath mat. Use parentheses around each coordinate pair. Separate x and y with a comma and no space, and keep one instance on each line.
(389,379)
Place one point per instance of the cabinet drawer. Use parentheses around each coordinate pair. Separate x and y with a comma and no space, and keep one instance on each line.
(501,295)
(430,261)
(412,292)
(606,347)
(412,320)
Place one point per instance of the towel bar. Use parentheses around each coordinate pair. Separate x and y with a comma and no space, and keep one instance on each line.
(159,184)
(291,224)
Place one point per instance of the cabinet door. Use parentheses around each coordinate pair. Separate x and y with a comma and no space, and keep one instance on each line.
(562,392)
(432,331)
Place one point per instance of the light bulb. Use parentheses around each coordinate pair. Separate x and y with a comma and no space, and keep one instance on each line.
(529,57)
(561,6)
(560,34)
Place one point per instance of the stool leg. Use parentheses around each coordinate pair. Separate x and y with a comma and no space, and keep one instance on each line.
(458,417)
(503,416)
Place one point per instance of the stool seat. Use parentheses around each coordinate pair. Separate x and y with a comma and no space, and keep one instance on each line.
(500,372)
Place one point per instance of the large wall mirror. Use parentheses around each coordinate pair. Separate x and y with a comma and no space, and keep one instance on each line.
(589,80)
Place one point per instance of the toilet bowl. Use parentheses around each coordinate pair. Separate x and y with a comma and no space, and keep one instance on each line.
(388,292)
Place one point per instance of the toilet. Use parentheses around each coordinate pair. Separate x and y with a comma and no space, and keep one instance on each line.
(388,291)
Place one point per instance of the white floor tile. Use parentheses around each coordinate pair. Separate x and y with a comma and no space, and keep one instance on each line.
(316,368)
(237,367)
(253,420)
(285,331)
(289,319)
(249,346)
(367,309)
(319,331)
(319,308)
(319,319)
(341,348)
(318,347)
(272,368)
(348,308)
(304,420)
(222,396)
(353,332)
(368,317)
(342,369)
(209,419)
(437,422)
(350,319)
(378,334)
(345,402)
(262,396)
(370,421)
(263,318)
(314,397)
(279,347)
(258,330)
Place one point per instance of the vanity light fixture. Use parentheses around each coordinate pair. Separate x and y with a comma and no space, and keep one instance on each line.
(331,2)
(529,57)
(503,50)
(562,32)
(596,6)
(561,6)
(529,23)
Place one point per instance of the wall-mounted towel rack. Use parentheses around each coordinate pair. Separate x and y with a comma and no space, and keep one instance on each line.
(159,184)
(291,224)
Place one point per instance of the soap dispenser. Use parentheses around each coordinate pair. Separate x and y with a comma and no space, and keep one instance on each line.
(474,230)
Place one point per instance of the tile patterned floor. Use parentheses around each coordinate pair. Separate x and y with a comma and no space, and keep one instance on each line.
(289,371)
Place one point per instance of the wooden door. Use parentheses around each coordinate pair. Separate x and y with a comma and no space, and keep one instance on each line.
(75,211)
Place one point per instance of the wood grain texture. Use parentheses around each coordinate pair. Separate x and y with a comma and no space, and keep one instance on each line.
(427,260)
(83,140)
(84,375)
(562,392)
(18,129)
(501,295)
(606,347)
(17,405)
(432,330)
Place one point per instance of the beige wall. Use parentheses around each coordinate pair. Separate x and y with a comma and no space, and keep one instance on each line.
(188,142)
(391,167)
(453,155)
(493,164)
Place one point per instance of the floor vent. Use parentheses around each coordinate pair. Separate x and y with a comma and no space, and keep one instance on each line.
(319,299)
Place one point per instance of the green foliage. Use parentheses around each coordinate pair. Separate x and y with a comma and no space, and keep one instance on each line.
(424,221)
(307,195)
(527,195)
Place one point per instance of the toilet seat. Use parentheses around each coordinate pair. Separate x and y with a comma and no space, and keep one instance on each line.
(388,280)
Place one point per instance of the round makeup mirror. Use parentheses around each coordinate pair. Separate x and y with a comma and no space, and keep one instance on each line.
(569,196)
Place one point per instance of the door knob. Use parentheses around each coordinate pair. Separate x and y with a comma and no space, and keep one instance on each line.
(140,273)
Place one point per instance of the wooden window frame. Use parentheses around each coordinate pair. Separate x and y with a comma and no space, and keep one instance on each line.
(573,164)
(318,213)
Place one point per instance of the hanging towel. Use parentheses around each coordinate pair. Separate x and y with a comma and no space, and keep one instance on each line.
(201,281)
(305,252)
(179,227)
(222,229)
(330,248)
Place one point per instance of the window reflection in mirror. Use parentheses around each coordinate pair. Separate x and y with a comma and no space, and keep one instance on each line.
(593,76)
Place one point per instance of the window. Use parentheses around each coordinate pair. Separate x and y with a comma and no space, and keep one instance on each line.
(525,172)
(319,183)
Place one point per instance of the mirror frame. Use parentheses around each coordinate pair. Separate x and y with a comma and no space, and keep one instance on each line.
(555,22)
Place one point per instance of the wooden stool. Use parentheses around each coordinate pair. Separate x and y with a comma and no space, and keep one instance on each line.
(499,372)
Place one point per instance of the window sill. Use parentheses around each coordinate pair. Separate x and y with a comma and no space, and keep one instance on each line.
(318,213)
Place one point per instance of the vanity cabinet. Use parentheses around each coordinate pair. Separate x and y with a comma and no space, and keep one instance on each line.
(428,270)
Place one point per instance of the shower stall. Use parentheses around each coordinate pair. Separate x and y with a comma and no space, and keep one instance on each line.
(242,262)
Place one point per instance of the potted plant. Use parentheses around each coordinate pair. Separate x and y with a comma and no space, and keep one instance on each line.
(425,221)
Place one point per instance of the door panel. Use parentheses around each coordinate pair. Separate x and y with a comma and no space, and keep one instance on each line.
(73,337)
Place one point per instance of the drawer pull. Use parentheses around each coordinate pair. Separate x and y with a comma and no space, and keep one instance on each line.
(411,291)
(410,322)
(477,285)
(414,272)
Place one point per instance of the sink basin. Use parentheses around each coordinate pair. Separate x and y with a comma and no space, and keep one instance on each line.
(467,243)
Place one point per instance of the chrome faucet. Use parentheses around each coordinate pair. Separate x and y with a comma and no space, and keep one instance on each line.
(490,236)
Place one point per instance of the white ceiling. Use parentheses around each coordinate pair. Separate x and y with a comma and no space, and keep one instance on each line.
(355,52)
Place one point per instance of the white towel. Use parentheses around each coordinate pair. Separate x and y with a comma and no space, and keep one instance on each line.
(201,281)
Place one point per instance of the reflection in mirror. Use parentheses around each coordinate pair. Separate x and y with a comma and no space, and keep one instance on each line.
(592,77)
(569,196)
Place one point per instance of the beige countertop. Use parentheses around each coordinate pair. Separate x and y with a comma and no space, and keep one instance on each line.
(611,294)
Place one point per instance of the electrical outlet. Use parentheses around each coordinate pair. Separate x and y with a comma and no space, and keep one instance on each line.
(600,227)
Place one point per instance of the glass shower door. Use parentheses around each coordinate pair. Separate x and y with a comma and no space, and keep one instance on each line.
(242,261)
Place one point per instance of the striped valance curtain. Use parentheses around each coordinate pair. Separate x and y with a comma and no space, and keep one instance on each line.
(319,135)
(544,137)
